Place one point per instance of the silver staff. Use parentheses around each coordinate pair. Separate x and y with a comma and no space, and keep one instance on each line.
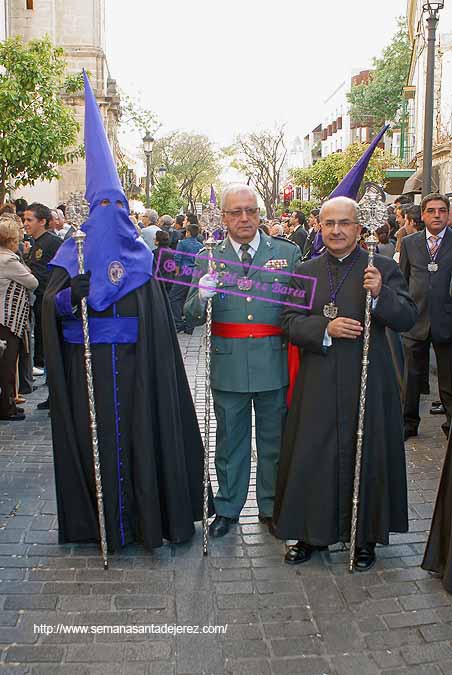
(210,226)
(79,238)
(373,214)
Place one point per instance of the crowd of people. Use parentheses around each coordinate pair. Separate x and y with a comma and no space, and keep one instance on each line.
(285,360)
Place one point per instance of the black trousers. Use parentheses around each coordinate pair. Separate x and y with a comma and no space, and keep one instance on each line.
(25,365)
(8,372)
(416,355)
(178,295)
(39,346)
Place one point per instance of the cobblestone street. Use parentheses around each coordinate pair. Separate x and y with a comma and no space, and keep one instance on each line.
(314,618)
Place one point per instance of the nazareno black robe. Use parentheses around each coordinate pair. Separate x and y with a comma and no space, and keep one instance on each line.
(438,552)
(315,480)
(150,447)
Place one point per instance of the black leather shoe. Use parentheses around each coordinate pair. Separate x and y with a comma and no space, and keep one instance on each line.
(20,410)
(220,526)
(365,558)
(45,405)
(437,408)
(14,418)
(409,432)
(301,553)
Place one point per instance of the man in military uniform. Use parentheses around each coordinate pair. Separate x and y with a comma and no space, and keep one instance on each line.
(38,255)
(249,355)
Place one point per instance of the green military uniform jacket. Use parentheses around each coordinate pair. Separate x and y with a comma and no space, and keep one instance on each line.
(246,364)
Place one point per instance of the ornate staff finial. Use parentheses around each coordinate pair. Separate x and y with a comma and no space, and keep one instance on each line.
(77,209)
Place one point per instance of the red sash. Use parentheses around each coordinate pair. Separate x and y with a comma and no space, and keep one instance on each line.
(260,330)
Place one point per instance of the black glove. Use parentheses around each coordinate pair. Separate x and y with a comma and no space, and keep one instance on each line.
(80,287)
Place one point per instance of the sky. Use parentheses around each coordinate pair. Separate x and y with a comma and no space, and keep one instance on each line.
(223,68)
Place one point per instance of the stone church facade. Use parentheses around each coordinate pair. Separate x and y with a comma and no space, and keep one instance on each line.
(78,27)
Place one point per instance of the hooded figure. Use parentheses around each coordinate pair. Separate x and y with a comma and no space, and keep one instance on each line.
(150,448)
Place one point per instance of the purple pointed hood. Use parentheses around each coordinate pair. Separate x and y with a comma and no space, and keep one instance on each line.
(349,185)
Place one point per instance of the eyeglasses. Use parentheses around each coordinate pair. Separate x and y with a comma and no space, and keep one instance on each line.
(236,213)
(342,224)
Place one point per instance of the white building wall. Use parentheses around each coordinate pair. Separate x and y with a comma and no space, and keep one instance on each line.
(3,15)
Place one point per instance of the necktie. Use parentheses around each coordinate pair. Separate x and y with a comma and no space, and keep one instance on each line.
(246,258)
(434,244)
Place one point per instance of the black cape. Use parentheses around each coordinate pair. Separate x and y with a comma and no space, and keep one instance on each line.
(150,447)
(315,480)
(438,552)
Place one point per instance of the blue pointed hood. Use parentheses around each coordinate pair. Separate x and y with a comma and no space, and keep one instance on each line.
(118,259)
(349,185)
(101,172)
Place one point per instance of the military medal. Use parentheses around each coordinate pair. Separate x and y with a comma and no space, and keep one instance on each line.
(244,284)
(432,266)
(331,310)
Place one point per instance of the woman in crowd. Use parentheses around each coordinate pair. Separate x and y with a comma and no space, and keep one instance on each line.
(385,245)
(15,283)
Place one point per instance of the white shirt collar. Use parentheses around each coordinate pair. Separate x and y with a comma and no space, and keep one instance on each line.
(440,235)
(253,245)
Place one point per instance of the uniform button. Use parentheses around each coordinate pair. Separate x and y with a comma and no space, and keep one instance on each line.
(276,279)
(250,336)
(221,283)
(249,299)
(250,317)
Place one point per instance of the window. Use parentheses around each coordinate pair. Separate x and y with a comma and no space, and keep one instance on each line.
(30,4)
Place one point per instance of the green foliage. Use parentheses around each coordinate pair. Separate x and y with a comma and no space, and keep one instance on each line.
(38,131)
(325,174)
(305,206)
(133,114)
(192,160)
(165,196)
(381,97)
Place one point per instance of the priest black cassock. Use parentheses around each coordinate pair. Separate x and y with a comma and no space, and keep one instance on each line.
(315,483)
(150,447)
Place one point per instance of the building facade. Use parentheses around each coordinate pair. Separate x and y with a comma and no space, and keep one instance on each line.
(415,95)
(3,19)
(80,30)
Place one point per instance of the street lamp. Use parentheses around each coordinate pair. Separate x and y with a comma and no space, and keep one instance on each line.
(162,172)
(432,9)
(148,142)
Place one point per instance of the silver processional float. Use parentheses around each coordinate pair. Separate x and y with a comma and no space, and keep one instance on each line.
(372,215)
(77,212)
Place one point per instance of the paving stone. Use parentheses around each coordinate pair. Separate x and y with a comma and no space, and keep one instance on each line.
(248,667)
(303,646)
(438,651)
(34,654)
(105,653)
(415,618)
(426,601)
(436,632)
(308,665)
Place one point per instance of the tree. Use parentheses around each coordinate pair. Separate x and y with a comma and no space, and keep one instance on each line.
(192,160)
(381,97)
(38,132)
(165,196)
(261,155)
(326,173)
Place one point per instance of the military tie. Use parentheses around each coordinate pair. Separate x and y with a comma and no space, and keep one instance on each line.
(434,245)
(246,258)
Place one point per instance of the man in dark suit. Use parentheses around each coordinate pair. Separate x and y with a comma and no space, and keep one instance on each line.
(314,223)
(299,234)
(426,262)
